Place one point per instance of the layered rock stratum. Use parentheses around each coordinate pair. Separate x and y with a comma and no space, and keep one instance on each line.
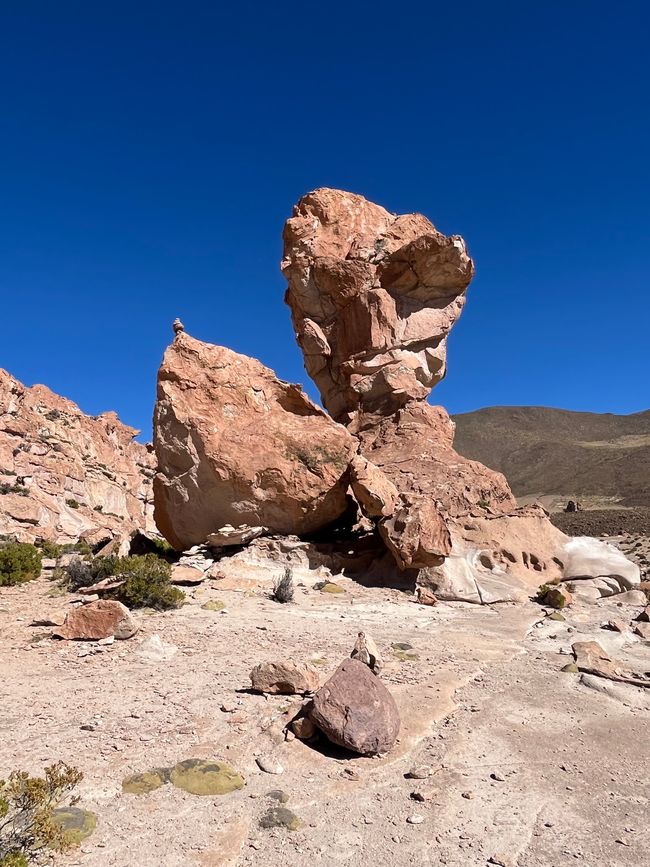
(65,474)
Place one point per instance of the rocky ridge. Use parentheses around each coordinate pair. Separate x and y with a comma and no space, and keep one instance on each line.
(65,475)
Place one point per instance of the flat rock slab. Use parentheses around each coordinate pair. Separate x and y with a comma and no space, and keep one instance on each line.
(356,711)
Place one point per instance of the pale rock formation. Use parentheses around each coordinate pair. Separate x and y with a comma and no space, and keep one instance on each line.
(372,296)
(237,446)
(66,474)
(285,677)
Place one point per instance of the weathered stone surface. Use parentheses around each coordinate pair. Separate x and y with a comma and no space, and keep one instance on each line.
(557,597)
(592,659)
(372,296)
(285,677)
(236,445)
(416,533)
(366,651)
(374,491)
(98,620)
(585,557)
(68,474)
(356,711)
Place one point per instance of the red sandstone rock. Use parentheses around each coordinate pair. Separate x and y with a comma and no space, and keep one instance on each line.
(237,446)
(81,475)
(98,620)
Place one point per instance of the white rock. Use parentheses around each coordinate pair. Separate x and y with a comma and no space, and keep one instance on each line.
(269,765)
(154,649)
(415,819)
(584,557)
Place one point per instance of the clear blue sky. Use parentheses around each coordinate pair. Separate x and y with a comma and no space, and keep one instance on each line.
(150,153)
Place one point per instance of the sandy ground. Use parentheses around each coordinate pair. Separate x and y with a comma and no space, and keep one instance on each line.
(529,765)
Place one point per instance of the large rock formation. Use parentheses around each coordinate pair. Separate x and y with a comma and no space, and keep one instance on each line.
(241,454)
(373,296)
(237,446)
(64,474)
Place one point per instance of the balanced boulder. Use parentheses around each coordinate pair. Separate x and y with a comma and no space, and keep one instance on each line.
(355,710)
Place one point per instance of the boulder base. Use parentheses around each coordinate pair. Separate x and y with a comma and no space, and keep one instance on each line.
(98,620)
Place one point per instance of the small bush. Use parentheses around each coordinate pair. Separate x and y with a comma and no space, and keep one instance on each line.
(27,823)
(74,504)
(53,415)
(283,589)
(146,583)
(6,488)
(83,573)
(483,504)
(19,562)
(50,550)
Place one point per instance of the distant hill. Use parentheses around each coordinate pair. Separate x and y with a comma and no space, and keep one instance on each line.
(554,455)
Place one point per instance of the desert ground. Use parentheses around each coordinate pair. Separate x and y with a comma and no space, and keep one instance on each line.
(502,758)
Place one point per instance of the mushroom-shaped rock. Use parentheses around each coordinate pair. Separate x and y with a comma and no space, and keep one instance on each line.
(237,446)
(356,711)
(373,296)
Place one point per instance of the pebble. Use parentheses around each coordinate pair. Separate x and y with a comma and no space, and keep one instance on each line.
(269,765)
(419,773)
(498,777)
(415,819)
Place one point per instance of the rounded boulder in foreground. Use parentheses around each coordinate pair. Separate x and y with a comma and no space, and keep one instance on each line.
(356,711)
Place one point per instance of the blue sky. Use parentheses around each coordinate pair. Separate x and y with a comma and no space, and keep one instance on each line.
(150,153)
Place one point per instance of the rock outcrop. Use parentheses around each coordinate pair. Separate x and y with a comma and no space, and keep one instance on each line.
(64,474)
(372,296)
(236,445)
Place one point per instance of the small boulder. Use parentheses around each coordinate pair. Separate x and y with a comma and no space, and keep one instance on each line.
(366,651)
(355,710)
(285,678)
(303,728)
(97,620)
(557,597)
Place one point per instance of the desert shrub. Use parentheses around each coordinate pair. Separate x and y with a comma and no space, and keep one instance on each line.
(483,504)
(6,488)
(53,415)
(49,549)
(146,583)
(283,588)
(83,573)
(27,824)
(19,562)
(74,504)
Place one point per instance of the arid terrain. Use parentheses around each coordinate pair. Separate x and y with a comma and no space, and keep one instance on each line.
(337,637)
(552,455)
(528,764)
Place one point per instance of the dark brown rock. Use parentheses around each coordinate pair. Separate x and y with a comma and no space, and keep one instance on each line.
(356,711)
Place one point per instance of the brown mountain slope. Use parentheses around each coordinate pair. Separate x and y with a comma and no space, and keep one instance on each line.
(557,454)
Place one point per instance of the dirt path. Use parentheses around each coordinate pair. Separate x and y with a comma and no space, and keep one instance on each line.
(484,696)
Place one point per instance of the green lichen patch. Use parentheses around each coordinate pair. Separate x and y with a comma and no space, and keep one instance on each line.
(142,784)
(280,817)
(329,587)
(76,824)
(201,777)
(213,605)
(555,615)
(570,667)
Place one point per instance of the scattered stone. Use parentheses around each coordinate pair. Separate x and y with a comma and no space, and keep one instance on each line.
(592,659)
(278,795)
(643,630)
(557,597)
(365,650)
(269,765)
(469,796)
(303,728)
(280,817)
(421,772)
(285,678)
(425,596)
(617,625)
(415,819)
(100,619)
(229,708)
(186,576)
(154,649)
(355,710)
(498,777)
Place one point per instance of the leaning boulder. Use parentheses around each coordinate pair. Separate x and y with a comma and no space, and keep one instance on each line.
(238,446)
(355,710)
(285,678)
(97,620)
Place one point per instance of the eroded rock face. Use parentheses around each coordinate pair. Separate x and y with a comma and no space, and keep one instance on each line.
(66,474)
(356,711)
(236,445)
(372,296)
